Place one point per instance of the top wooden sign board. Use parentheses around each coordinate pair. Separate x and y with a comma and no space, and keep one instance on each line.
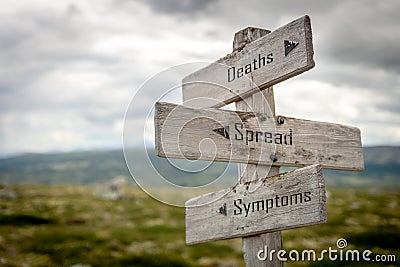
(275,57)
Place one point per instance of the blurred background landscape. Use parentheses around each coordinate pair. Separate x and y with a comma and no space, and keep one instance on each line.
(382,169)
(66,209)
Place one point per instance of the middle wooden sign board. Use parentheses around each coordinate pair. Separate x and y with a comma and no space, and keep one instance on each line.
(247,137)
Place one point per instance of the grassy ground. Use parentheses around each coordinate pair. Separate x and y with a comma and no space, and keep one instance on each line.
(69,225)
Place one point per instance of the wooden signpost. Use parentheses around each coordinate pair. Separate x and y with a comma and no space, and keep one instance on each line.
(264,202)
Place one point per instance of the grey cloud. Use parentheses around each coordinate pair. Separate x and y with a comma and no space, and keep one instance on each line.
(177,7)
(46,44)
(35,41)
(363,33)
(392,106)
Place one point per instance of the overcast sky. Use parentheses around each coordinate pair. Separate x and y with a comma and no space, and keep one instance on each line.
(68,69)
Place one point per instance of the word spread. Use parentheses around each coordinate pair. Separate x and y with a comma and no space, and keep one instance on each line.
(259,136)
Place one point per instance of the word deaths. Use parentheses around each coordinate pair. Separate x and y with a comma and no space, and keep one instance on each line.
(234,72)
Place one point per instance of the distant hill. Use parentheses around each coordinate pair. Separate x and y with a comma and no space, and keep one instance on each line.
(63,168)
(382,169)
(90,167)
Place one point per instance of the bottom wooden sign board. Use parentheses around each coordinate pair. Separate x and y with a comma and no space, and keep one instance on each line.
(287,200)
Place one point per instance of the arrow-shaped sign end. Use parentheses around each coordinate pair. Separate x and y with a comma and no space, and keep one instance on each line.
(289,46)
(224,131)
(222,210)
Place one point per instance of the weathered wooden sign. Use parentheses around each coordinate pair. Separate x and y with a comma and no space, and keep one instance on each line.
(288,200)
(247,137)
(275,57)
(255,209)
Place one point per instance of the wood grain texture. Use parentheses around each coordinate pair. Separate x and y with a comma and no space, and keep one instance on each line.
(262,102)
(247,35)
(183,132)
(216,87)
(288,200)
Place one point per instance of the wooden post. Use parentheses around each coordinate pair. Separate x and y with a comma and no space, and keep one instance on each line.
(262,101)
